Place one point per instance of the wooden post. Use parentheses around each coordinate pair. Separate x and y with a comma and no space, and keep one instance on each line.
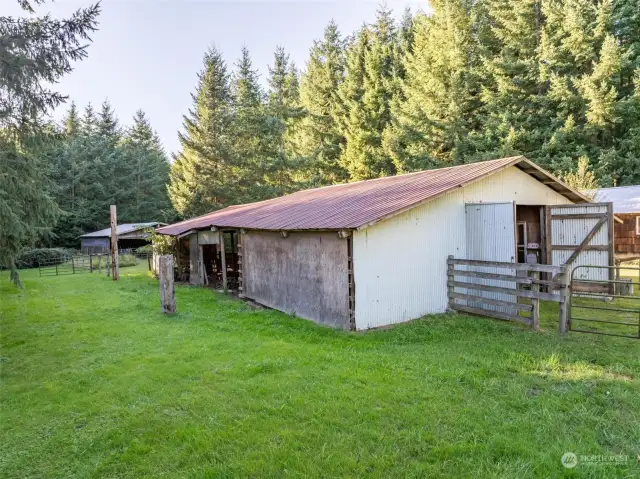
(535,302)
(565,307)
(90,263)
(167,288)
(450,280)
(223,260)
(114,244)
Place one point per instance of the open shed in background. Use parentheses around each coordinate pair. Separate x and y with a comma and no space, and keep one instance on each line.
(130,236)
(374,253)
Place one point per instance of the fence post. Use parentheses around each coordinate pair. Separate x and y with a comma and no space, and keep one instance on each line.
(450,280)
(90,263)
(167,288)
(73,265)
(535,302)
(563,315)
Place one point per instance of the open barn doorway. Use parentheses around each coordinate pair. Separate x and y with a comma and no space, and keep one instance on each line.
(213,264)
(530,234)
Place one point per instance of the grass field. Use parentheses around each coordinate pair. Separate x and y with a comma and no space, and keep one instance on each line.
(97,383)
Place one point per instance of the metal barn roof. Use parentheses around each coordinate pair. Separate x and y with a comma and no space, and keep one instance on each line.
(360,204)
(625,199)
(121,229)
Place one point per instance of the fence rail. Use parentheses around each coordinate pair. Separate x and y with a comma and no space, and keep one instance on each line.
(497,293)
(82,263)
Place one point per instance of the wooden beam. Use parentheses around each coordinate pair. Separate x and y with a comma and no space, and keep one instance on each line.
(114,243)
(510,291)
(543,268)
(569,247)
(493,314)
(499,277)
(586,240)
(223,260)
(167,287)
(577,216)
(494,302)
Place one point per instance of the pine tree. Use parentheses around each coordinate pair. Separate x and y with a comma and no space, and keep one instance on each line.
(435,124)
(318,139)
(583,178)
(72,121)
(35,53)
(253,154)
(107,123)
(367,94)
(510,79)
(201,174)
(148,173)
(283,100)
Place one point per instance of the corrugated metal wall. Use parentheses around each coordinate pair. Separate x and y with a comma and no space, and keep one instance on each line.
(490,229)
(573,232)
(400,265)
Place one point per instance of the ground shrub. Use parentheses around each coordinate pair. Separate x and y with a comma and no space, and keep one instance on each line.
(32,257)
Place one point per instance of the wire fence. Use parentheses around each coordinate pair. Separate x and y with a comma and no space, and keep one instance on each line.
(78,263)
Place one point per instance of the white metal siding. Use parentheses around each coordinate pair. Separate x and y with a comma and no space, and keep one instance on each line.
(400,264)
(490,230)
(572,232)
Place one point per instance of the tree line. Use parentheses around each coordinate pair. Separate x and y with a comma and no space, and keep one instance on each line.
(555,80)
(94,162)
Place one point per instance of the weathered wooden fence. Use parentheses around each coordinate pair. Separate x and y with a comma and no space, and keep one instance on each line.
(497,289)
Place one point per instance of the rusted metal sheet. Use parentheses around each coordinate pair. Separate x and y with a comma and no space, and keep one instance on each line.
(354,205)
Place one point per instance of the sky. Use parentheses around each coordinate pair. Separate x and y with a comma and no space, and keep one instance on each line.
(147,53)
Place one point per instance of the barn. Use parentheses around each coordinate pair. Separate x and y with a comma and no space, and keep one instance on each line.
(130,236)
(626,207)
(373,253)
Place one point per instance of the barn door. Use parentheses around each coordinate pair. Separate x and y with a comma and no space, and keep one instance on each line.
(581,235)
(490,232)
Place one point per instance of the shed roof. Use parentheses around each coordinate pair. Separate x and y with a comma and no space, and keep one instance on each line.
(360,204)
(121,229)
(625,199)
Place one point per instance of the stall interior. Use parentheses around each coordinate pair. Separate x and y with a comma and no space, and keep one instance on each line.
(529,234)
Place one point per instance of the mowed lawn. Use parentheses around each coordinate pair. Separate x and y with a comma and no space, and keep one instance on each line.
(97,383)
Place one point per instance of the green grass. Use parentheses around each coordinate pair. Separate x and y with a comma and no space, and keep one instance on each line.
(96,382)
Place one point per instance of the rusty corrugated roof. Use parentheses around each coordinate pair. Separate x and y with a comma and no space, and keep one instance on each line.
(350,205)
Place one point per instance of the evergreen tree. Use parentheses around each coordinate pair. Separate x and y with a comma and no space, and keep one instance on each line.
(435,124)
(72,121)
(510,74)
(283,100)
(201,178)
(318,138)
(253,154)
(35,53)
(148,173)
(107,123)
(583,178)
(367,94)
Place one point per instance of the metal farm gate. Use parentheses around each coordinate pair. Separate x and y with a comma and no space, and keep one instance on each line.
(65,265)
